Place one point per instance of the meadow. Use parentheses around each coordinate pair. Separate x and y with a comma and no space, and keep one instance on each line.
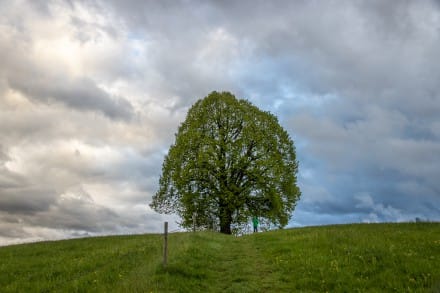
(402,257)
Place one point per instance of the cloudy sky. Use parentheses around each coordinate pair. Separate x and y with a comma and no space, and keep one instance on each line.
(92,92)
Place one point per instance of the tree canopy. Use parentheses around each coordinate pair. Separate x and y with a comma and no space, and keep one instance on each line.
(230,161)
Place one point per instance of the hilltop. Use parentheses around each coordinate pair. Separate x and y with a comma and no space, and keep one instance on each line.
(343,258)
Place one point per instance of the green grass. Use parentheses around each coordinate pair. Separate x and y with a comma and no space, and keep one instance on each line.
(343,258)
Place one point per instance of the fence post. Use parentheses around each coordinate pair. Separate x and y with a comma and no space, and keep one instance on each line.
(194,222)
(165,245)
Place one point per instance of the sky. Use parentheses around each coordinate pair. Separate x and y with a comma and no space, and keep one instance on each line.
(92,94)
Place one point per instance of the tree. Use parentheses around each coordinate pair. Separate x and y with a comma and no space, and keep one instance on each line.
(230,161)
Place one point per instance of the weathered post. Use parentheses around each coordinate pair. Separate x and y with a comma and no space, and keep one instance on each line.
(194,222)
(165,245)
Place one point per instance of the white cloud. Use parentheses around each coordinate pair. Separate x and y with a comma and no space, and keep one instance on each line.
(378,211)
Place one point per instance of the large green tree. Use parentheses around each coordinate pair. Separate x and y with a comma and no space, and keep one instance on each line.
(230,161)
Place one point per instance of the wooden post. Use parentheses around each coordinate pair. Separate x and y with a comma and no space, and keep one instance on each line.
(165,245)
(194,222)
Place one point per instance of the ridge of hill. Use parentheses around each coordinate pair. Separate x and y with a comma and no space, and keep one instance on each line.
(341,258)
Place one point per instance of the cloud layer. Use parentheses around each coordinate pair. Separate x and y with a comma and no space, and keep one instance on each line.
(91,93)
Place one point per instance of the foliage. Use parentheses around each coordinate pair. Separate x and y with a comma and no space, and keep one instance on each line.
(342,258)
(230,161)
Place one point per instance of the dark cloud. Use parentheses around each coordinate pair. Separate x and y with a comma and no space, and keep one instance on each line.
(77,212)
(3,156)
(81,94)
(19,195)
(25,200)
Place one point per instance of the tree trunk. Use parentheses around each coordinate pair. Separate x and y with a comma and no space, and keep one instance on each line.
(225,220)
(225,226)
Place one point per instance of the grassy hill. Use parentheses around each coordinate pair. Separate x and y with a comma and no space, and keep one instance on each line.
(342,258)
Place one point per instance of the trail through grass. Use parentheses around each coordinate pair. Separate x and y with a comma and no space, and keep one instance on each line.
(345,258)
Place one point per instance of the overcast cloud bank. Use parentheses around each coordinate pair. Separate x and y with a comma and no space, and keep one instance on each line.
(92,92)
